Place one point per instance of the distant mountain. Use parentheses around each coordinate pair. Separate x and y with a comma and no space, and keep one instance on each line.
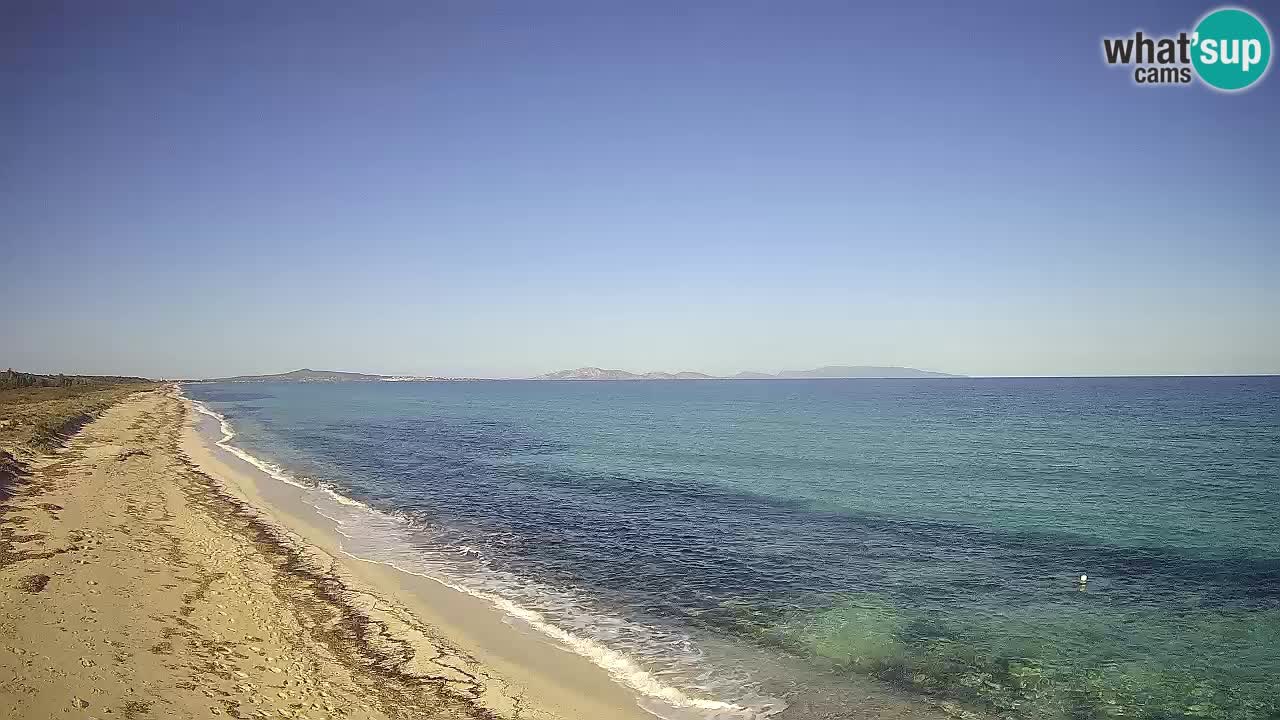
(303,375)
(595,373)
(320,376)
(830,371)
(691,375)
(862,371)
(588,373)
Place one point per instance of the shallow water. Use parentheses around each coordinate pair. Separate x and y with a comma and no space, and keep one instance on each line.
(737,547)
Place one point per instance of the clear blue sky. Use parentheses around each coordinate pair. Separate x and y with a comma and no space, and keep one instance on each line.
(510,188)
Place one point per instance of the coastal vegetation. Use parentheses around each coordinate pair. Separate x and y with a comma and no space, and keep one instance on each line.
(11,379)
(38,411)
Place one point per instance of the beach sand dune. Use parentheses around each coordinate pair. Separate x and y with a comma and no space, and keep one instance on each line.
(132,586)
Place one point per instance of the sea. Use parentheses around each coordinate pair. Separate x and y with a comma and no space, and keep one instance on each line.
(789,549)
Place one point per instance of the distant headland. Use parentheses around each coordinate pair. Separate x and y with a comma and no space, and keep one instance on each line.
(307,375)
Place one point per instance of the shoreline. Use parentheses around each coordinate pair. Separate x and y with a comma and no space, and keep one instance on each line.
(180,578)
(516,643)
(502,644)
(139,582)
(129,588)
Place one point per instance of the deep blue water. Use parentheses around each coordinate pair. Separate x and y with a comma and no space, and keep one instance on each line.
(731,536)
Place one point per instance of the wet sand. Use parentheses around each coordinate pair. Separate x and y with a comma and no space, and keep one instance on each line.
(146,573)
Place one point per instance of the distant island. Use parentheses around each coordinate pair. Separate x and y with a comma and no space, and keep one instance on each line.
(828,371)
(860,371)
(307,375)
(595,373)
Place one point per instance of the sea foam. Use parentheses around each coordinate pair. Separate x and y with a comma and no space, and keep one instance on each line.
(609,642)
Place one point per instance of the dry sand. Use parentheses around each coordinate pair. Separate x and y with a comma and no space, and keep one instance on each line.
(144,576)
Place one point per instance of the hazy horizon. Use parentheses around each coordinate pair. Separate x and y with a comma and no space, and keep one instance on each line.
(942,374)
(497,190)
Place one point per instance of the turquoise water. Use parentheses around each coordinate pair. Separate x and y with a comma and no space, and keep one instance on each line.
(754,542)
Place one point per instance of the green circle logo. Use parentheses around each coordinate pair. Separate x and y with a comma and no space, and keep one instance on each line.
(1232,49)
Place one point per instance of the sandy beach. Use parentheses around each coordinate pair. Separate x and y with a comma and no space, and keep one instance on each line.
(146,573)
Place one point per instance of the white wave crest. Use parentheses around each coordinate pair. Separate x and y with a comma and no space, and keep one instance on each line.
(618,665)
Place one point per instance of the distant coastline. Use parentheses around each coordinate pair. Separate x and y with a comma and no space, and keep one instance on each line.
(307,375)
(829,372)
(825,372)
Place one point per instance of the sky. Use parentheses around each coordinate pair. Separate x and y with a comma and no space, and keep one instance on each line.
(501,189)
